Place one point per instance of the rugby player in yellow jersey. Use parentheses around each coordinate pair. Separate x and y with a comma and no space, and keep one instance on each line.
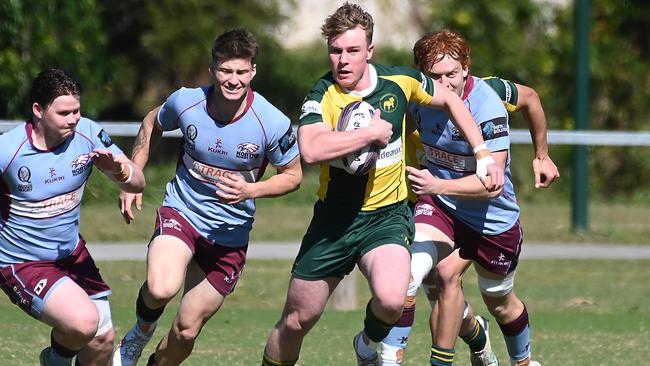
(360,220)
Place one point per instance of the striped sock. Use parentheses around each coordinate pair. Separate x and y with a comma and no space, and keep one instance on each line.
(267,361)
(442,356)
(476,339)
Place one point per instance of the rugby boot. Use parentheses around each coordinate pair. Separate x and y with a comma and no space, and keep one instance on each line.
(128,351)
(361,361)
(485,357)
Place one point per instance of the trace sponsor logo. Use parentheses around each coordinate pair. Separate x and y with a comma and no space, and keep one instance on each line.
(172,224)
(62,201)
(80,164)
(424,210)
(247,150)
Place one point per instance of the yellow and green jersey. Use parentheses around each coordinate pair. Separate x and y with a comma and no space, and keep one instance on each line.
(391,90)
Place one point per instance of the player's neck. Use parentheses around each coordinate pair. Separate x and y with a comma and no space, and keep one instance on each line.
(226,110)
(41,140)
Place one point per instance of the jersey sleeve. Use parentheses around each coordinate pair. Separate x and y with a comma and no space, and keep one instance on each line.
(315,107)
(282,147)
(170,111)
(101,139)
(506,90)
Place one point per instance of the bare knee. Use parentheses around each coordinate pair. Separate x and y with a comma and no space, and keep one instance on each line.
(186,334)
(299,322)
(447,277)
(504,308)
(103,343)
(161,291)
(83,327)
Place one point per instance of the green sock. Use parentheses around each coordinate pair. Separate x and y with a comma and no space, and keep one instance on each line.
(476,339)
(266,361)
(442,356)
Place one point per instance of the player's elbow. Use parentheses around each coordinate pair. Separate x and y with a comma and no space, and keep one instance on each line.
(309,156)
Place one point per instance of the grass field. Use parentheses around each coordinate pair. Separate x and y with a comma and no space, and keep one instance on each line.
(587,312)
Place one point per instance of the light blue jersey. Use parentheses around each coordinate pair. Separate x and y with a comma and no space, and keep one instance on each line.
(449,156)
(41,192)
(261,135)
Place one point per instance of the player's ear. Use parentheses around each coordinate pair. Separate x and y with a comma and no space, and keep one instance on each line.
(253,71)
(37,110)
(371,50)
(465,72)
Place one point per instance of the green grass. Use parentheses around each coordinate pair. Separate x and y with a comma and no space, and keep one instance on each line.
(545,214)
(542,222)
(587,312)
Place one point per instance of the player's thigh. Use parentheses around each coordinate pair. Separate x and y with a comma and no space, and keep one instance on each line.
(67,306)
(167,260)
(387,269)
(200,299)
(306,299)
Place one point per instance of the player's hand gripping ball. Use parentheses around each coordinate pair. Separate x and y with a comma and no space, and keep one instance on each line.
(357,115)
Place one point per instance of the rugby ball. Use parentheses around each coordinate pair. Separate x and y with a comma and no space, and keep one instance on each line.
(357,115)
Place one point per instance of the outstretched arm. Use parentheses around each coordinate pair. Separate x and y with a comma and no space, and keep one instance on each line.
(529,103)
(120,169)
(147,139)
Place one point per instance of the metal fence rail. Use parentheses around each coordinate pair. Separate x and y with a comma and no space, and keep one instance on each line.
(517,136)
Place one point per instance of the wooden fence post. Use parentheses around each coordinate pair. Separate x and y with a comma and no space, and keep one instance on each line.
(345,295)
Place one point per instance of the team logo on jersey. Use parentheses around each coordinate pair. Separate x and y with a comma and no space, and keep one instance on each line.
(80,164)
(287,140)
(247,150)
(172,224)
(191,132)
(456,135)
(495,128)
(423,82)
(501,261)
(190,135)
(24,175)
(40,286)
(104,138)
(424,210)
(388,103)
(217,148)
(309,107)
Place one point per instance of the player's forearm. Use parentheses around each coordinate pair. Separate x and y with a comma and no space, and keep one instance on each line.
(324,145)
(130,178)
(538,130)
(469,187)
(147,139)
(287,180)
